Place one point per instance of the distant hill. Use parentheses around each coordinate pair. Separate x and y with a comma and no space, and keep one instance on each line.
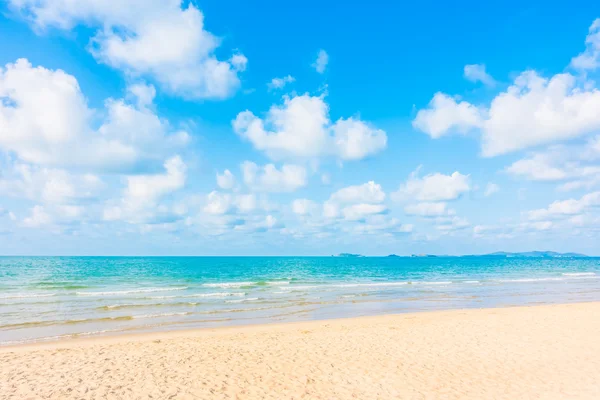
(535,254)
(349,255)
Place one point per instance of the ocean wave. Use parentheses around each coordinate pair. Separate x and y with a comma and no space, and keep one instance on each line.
(237,285)
(203,295)
(173,314)
(528,280)
(26,295)
(242,300)
(132,291)
(58,337)
(345,285)
(228,285)
(579,274)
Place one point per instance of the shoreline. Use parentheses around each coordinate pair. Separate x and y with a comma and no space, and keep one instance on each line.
(545,351)
(167,334)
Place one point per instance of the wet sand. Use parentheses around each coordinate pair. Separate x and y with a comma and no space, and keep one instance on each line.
(541,352)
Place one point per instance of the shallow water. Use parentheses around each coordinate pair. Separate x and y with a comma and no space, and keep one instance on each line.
(47,298)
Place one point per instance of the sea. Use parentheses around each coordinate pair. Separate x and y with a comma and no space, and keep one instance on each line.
(56,298)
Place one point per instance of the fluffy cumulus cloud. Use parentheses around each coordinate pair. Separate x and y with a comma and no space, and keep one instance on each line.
(304,206)
(575,166)
(433,187)
(369,192)
(446,114)
(301,128)
(140,201)
(532,111)
(270,179)
(45,120)
(49,185)
(226,180)
(322,60)
(164,40)
(429,210)
(426,197)
(590,58)
(279,83)
(477,73)
(535,110)
(356,203)
(564,208)
(491,189)
(352,210)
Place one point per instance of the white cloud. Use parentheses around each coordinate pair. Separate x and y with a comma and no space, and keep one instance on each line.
(537,168)
(44,119)
(301,128)
(246,203)
(158,39)
(532,111)
(218,203)
(433,187)
(369,192)
(144,94)
(428,210)
(563,208)
(270,179)
(490,189)
(577,164)
(140,201)
(304,206)
(535,111)
(321,62)
(477,73)
(49,185)
(378,224)
(590,58)
(360,211)
(38,217)
(446,115)
(226,180)
(279,83)
(452,224)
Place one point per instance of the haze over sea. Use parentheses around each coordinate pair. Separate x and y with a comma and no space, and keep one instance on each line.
(49,298)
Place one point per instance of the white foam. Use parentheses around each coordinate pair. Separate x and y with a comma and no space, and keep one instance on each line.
(160,315)
(218,294)
(119,306)
(277,283)
(370,284)
(221,294)
(132,291)
(434,283)
(26,295)
(226,285)
(579,274)
(242,300)
(528,280)
(472,282)
(346,285)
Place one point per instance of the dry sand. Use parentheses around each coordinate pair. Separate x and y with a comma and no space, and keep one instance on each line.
(543,352)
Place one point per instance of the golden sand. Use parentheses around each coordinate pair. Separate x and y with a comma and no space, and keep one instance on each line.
(543,352)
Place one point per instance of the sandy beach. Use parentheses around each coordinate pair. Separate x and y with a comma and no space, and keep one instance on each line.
(541,352)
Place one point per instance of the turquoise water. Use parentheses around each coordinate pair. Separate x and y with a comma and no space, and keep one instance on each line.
(48,298)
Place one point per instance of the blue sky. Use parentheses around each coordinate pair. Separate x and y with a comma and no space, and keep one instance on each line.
(169,127)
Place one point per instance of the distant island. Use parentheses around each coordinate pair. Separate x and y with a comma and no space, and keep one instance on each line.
(350,255)
(503,254)
(535,254)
